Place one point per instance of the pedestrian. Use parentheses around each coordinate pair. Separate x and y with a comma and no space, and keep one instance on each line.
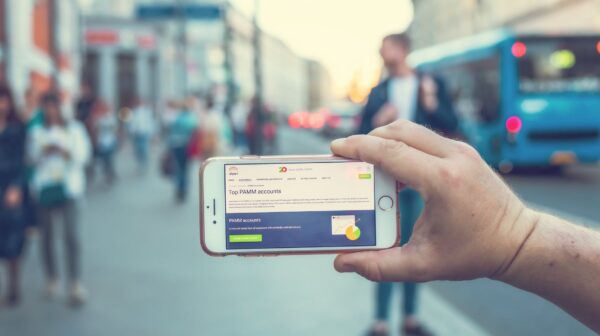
(417,97)
(85,109)
(180,128)
(239,117)
(217,135)
(141,127)
(60,150)
(105,128)
(12,191)
(261,139)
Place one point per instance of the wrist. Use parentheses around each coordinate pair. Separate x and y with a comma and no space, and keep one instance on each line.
(523,230)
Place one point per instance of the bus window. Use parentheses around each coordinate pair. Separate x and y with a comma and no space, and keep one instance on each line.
(475,87)
(560,65)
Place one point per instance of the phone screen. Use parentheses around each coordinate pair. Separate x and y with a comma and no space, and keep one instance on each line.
(295,205)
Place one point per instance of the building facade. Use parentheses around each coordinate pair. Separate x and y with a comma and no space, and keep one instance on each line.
(319,85)
(209,47)
(40,46)
(126,60)
(437,21)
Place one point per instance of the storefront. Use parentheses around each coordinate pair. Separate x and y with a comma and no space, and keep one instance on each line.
(123,61)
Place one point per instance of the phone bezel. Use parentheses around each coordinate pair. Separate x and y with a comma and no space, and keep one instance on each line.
(212,187)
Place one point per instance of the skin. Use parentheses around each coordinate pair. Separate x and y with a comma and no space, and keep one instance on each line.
(471,215)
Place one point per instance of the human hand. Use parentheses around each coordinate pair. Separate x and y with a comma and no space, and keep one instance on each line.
(386,114)
(54,149)
(13,197)
(472,225)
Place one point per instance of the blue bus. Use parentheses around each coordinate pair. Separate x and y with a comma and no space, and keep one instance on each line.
(523,100)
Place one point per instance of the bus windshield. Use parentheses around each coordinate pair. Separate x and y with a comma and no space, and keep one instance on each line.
(558,65)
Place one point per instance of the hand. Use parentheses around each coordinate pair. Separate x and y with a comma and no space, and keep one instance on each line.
(472,225)
(13,197)
(54,149)
(386,114)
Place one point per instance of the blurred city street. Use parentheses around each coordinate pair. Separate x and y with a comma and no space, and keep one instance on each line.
(109,107)
(148,276)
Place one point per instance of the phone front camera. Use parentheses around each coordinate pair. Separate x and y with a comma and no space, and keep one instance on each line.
(214,222)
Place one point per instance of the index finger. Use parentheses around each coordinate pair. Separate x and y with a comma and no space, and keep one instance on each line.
(417,136)
(407,164)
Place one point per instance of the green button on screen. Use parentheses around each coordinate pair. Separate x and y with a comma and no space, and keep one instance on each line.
(254,238)
(365,176)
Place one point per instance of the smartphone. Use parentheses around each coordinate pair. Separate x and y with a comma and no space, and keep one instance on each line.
(275,205)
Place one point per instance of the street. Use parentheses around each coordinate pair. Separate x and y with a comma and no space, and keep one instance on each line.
(147,274)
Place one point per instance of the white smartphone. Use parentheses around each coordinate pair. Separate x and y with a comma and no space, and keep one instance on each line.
(274,205)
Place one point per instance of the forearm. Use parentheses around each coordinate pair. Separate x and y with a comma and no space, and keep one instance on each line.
(560,261)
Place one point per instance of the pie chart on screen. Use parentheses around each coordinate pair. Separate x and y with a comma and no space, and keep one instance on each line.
(352,232)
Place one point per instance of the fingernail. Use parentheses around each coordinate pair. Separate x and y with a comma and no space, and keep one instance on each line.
(338,142)
(346,267)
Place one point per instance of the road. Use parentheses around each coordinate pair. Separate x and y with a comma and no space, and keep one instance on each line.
(147,274)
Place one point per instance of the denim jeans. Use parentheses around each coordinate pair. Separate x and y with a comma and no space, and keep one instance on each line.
(181,170)
(140,146)
(411,205)
(68,212)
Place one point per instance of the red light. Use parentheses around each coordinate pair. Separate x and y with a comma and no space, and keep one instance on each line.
(334,121)
(294,120)
(598,47)
(316,120)
(514,124)
(519,49)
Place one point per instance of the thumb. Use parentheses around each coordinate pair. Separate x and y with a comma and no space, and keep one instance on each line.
(395,264)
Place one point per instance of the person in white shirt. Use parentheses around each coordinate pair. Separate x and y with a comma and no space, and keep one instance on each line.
(142,126)
(59,150)
(405,95)
(105,131)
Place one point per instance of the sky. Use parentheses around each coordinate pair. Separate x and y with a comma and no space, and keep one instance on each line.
(344,35)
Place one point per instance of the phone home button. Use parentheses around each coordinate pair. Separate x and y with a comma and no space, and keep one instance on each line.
(385,203)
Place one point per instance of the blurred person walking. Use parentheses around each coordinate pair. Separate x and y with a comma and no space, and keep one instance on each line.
(141,126)
(12,192)
(180,128)
(59,150)
(89,109)
(239,118)
(417,97)
(105,132)
(216,132)
(261,138)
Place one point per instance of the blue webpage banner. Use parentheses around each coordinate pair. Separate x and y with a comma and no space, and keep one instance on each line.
(300,229)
